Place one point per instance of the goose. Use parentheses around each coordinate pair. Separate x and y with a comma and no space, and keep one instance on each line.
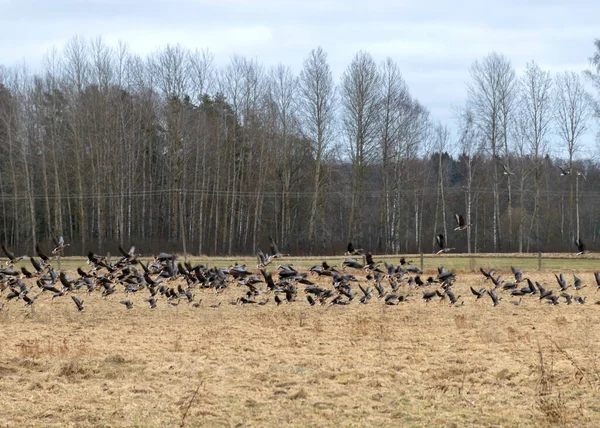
(29,301)
(12,260)
(518,273)
(36,265)
(275,251)
(351,251)
(563,172)
(352,263)
(367,294)
(488,275)
(580,247)
(441,241)
(451,296)
(478,293)
(577,283)
(497,281)
(494,297)
(263,259)
(561,282)
(370,263)
(59,245)
(45,259)
(128,303)
(428,295)
(505,170)
(391,299)
(403,261)
(78,303)
(460,221)
(311,301)
(568,298)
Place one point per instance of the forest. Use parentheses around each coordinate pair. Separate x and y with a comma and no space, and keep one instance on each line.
(170,152)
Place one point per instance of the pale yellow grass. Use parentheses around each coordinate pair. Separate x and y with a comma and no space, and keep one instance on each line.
(294,365)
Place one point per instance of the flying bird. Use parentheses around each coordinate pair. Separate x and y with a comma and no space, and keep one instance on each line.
(505,170)
(460,221)
(59,245)
(441,242)
(580,247)
(78,302)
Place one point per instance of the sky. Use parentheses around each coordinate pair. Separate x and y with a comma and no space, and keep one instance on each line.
(434,42)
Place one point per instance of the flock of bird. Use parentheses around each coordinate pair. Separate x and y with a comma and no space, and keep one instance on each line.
(166,281)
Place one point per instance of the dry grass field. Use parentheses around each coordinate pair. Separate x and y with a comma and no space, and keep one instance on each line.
(413,364)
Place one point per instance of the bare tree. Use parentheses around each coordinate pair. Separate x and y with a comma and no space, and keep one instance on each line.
(469,145)
(361,107)
(572,110)
(441,137)
(317,108)
(537,104)
(488,96)
(395,99)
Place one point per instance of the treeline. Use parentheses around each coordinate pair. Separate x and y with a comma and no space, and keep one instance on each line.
(105,147)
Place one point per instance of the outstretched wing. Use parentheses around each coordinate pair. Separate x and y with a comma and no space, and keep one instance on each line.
(441,241)
(458,219)
(10,255)
(274,249)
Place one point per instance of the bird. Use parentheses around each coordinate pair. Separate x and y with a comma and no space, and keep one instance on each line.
(78,302)
(505,170)
(488,275)
(479,293)
(461,225)
(580,247)
(12,260)
(128,303)
(562,283)
(59,245)
(577,283)
(563,171)
(518,273)
(42,255)
(441,241)
(275,251)
(351,251)
(428,295)
(494,297)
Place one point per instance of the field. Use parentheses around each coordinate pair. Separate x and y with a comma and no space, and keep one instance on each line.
(216,364)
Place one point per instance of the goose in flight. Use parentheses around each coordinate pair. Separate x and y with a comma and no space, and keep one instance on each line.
(12,260)
(275,251)
(580,247)
(351,251)
(460,221)
(59,245)
(563,171)
(505,170)
(441,241)
(78,302)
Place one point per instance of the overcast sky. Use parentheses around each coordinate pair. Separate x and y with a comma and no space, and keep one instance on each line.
(433,41)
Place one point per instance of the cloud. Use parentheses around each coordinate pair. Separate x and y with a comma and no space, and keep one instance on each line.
(434,42)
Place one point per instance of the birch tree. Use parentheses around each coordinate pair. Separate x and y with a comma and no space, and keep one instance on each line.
(317,110)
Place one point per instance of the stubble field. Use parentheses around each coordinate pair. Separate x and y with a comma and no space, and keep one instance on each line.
(411,364)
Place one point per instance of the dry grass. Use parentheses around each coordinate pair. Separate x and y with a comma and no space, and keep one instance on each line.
(407,365)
